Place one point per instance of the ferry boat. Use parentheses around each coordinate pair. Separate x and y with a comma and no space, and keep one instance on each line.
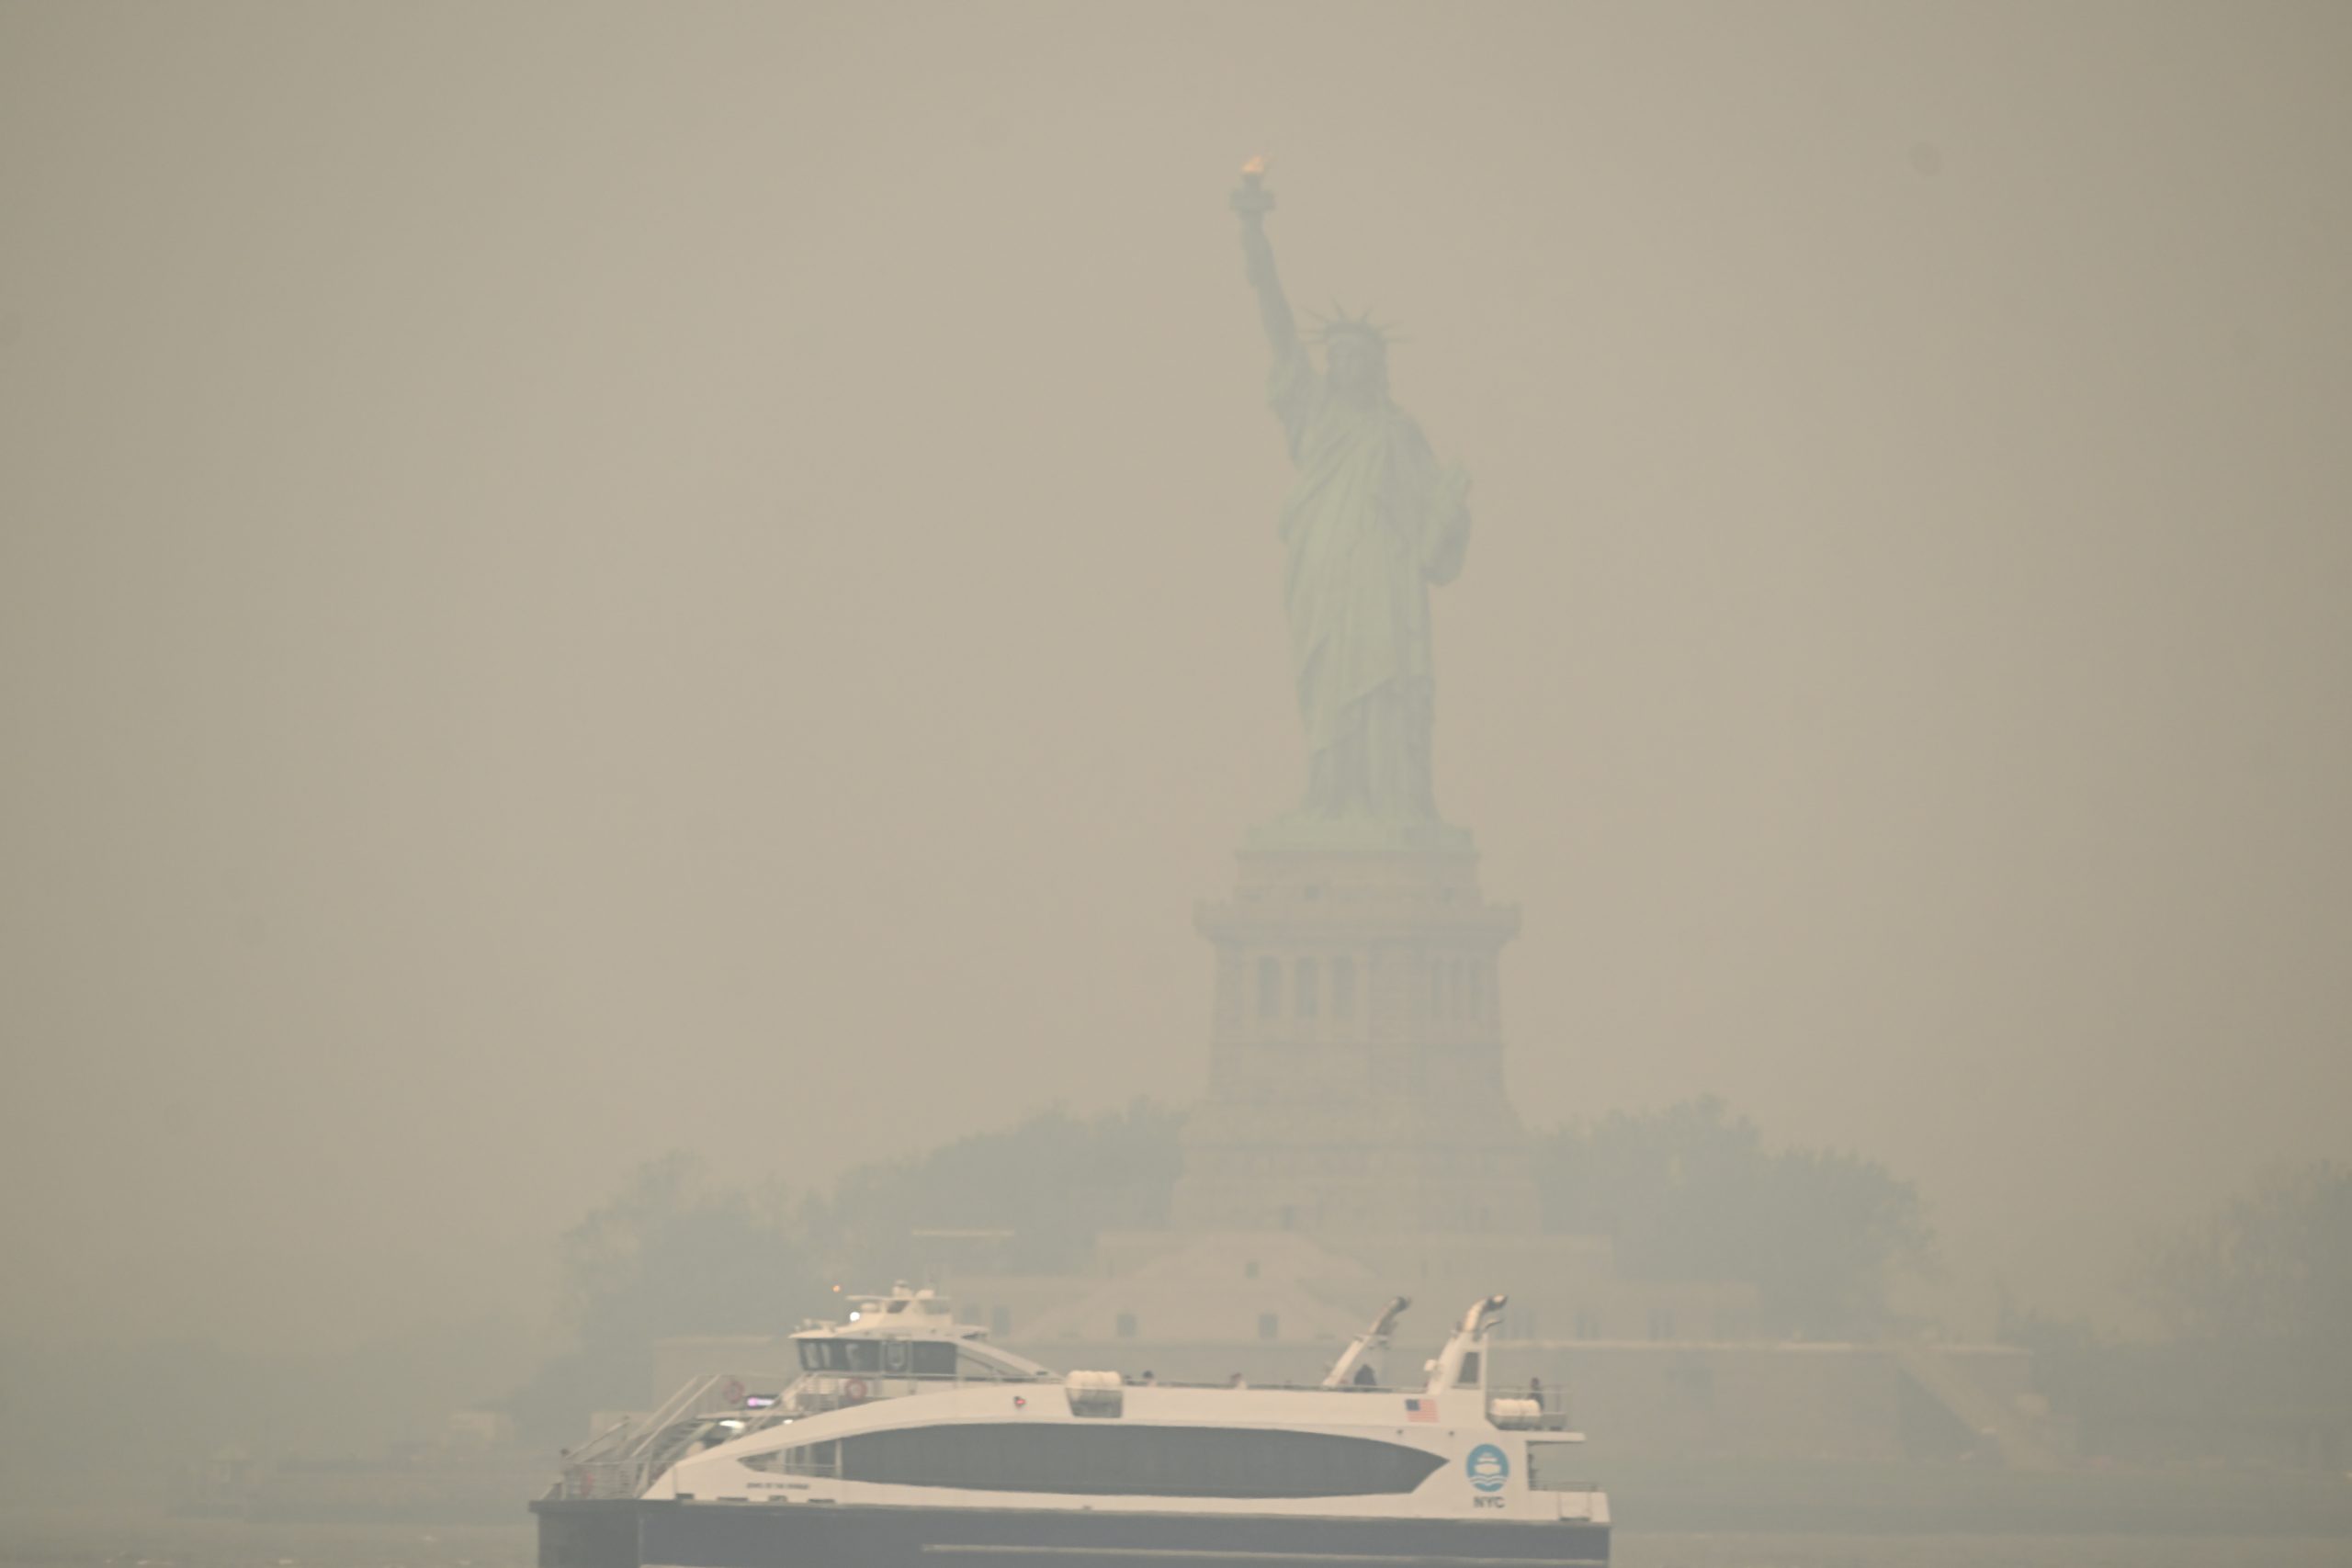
(905,1438)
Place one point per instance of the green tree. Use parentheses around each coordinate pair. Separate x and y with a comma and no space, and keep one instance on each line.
(2269,1265)
(1055,1182)
(1691,1192)
(2253,1297)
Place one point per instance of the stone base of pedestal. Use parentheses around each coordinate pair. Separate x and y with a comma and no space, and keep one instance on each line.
(1356,1066)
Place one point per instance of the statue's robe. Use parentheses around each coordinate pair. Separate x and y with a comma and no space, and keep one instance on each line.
(1373,520)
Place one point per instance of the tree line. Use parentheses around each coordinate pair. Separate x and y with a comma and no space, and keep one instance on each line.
(2242,1350)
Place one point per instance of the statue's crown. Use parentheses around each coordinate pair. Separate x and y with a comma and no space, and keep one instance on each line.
(1340,323)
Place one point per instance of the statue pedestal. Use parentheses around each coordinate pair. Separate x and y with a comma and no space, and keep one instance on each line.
(1356,1068)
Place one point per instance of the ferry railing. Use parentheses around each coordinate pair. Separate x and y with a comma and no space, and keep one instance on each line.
(686,1403)
(604,1441)
(605,1478)
(1551,1409)
(623,1459)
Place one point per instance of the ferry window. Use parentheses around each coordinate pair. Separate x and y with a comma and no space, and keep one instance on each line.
(1555,1467)
(1135,1462)
(841,1356)
(808,1459)
(1468,1376)
(1270,987)
(934,1358)
(1308,989)
(1343,988)
(970,1366)
(1126,1328)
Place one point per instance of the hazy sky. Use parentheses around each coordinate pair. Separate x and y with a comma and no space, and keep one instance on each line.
(576,581)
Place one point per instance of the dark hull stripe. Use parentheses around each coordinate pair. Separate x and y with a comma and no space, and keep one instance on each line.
(1153,1554)
(618,1533)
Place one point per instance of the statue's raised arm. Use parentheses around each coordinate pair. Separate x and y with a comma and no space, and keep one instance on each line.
(1252,201)
(1374,521)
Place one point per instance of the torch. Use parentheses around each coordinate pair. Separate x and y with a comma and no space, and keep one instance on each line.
(1251,199)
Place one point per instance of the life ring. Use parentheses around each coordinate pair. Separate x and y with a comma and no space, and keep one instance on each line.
(854,1391)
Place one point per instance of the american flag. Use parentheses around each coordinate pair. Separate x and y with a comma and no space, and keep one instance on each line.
(1420,1410)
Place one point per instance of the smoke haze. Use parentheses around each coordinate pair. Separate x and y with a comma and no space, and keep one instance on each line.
(580,580)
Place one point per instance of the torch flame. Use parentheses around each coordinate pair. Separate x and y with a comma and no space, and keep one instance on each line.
(1256,165)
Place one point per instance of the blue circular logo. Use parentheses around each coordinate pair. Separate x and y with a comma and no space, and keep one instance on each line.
(1488,1467)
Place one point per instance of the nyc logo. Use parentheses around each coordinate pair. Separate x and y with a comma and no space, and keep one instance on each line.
(1488,1467)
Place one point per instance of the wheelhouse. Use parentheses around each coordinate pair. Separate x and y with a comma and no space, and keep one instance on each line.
(876,1358)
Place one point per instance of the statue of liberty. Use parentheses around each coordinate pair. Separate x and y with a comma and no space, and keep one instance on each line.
(1371,521)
